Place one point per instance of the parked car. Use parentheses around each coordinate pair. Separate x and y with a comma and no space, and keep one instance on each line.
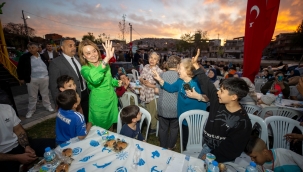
(231,57)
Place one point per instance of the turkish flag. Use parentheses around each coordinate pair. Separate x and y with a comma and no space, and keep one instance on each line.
(261,17)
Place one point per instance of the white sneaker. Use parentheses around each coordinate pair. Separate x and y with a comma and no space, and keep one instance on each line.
(50,109)
(29,115)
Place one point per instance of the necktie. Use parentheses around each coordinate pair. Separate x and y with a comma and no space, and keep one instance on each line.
(78,72)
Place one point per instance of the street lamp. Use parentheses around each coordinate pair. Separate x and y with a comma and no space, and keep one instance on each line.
(131,28)
(25,25)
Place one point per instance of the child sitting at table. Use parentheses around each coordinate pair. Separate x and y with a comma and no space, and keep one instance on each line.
(228,126)
(275,159)
(131,115)
(65,82)
(69,123)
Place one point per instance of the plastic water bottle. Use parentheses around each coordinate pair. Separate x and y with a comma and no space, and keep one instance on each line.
(280,97)
(136,158)
(213,167)
(251,167)
(49,154)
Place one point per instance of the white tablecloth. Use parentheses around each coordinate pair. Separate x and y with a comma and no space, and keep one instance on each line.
(90,155)
(285,102)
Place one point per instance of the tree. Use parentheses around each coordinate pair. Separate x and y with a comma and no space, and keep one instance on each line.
(99,40)
(298,38)
(185,43)
(89,36)
(200,40)
(16,36)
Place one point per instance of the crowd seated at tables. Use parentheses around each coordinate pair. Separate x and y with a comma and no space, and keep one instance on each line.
(228,128)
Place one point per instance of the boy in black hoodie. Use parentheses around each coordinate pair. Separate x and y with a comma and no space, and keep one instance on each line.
(228,127)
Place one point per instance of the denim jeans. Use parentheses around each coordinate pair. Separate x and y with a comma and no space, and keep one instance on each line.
(204,151)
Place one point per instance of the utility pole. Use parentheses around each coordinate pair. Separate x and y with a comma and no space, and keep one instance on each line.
(130,33)
(25,25)
(122,26)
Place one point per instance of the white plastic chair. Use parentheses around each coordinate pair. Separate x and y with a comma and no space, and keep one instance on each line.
(280,126)
(251,108)
(196,120)
(125,99)
(130,77)
(145,115)
(258,86)
(255,119)
(135,74)
(280,111)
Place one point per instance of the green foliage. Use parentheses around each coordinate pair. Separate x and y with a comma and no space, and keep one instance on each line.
(89,36)
(191,41)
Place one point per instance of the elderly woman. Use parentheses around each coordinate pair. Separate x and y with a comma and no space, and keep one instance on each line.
(103,101)
(147,92)
(189,94)
(167,107)
(277,86)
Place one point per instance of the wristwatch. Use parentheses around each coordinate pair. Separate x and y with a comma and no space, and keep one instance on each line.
(104,63)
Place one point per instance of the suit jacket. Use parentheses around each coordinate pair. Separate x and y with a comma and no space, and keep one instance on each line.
(55,54)
(60,66)
(24,68)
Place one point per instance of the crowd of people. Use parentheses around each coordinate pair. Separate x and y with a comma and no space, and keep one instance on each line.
(86,94)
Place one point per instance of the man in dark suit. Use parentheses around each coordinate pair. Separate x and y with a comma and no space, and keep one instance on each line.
(49,53)
(136,58)
(144,57)
(68,64)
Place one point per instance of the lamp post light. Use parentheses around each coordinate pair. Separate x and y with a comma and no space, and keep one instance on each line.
(131,29)
(25,25)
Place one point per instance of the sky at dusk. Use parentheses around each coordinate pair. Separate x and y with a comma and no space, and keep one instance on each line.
(149,18)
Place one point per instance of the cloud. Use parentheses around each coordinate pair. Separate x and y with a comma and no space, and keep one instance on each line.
(98,5)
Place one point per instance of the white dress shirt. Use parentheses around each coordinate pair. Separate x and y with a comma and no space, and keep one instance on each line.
(69,59)
(50,54)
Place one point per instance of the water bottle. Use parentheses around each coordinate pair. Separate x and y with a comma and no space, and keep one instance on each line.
(136,158)
(213,167)
(49,154)
(251,167)
(280,97)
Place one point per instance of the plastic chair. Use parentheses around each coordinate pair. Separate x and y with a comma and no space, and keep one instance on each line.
(280,126)
(280,111)
(145,115)
(255,119)
(130,77)
(196,120)
(135,74)
(125,99)
(258,86)
(251,108)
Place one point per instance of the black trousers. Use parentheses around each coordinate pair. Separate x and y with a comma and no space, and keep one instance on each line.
(168,131)
(184,136)
(38,145)
(84,103)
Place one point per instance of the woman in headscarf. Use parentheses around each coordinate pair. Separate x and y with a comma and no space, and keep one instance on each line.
(120,71)
(212,74)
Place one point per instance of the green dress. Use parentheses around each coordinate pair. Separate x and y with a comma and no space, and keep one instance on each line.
(103,101)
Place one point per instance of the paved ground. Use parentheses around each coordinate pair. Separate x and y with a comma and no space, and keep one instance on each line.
(21,100)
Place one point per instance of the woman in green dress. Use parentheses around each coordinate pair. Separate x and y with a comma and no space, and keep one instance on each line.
(103,101)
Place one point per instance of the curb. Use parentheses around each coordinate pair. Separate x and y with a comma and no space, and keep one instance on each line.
(30,124)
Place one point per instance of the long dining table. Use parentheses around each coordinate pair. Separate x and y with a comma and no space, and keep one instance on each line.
(91,154)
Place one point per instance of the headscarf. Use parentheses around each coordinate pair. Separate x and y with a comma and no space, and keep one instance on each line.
(231,71)
(213,79)
(123,71)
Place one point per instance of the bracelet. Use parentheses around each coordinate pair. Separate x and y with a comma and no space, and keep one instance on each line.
(104,63)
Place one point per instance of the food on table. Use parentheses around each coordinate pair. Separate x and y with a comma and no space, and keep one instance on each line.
(110,143)
(63,167)
(68,152)
(120,145)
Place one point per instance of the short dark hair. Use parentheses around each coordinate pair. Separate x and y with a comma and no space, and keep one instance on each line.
(128,113)
(235,86)
(61,80)
(66,99)
(122,74)
(279,72)
(251,144)
(64,39)
(32,44)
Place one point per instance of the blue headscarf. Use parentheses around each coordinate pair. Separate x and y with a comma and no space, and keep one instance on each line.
(213,79)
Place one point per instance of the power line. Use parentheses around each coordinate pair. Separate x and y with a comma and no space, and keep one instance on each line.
(137,33)
(66,23)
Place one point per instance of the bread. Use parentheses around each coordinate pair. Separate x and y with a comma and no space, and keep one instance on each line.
(222,167)
(68,152)
(62,167)
(120,145)
(110,143)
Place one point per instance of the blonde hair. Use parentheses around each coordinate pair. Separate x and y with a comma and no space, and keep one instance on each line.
(154,54)
(82,44)
(188,66)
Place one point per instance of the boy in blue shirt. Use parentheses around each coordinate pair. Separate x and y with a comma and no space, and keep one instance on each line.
(131,115)
(69,123)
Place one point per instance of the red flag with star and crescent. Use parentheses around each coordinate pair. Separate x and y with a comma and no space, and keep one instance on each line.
(261,17)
